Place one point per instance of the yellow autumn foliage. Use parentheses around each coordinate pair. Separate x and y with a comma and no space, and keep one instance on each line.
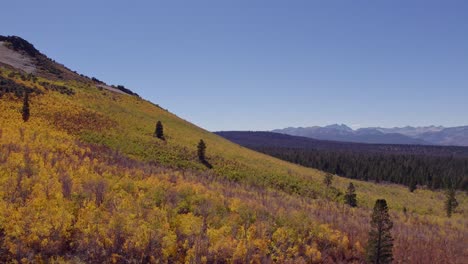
(84,181)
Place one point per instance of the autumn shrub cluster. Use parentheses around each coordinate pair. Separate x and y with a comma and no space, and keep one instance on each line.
(65,200)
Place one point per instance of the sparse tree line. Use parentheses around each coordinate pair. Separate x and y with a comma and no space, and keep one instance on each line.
(379,248)
(350,197)
(201,147)
(380,241)
(158,133)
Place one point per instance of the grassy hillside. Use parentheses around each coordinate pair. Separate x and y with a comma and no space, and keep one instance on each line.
(85,180)
(127,123)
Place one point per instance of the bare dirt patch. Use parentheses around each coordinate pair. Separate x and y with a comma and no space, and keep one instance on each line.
(107,87)
(16,59)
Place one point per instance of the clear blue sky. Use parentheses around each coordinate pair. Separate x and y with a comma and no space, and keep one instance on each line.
(258,65)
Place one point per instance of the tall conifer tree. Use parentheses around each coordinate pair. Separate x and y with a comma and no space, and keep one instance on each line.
(350,196)
(451,202)
(328,179)
(201,150)
(380,244)
(412,185)
(159,132)
(25,110)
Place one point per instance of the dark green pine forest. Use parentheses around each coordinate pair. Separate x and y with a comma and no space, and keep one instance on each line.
(434,167)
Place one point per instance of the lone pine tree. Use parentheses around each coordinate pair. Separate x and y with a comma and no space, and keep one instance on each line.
(25,110)
(350,196)
(328,179)
(380,244)
(201,150)
(159,132)
(451,202)
(412,185)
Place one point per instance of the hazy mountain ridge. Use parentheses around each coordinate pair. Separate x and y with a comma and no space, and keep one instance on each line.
(272,139)
(429,135)
(410,131)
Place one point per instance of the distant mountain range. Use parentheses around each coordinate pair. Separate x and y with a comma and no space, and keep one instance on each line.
(261,139)
(429,135)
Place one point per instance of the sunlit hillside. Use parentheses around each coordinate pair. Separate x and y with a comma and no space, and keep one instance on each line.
(85,180)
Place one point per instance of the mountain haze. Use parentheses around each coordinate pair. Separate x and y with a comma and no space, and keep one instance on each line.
(272,139)
(409,130)
(431,135)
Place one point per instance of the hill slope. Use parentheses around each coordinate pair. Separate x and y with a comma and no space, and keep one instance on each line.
(85,180)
